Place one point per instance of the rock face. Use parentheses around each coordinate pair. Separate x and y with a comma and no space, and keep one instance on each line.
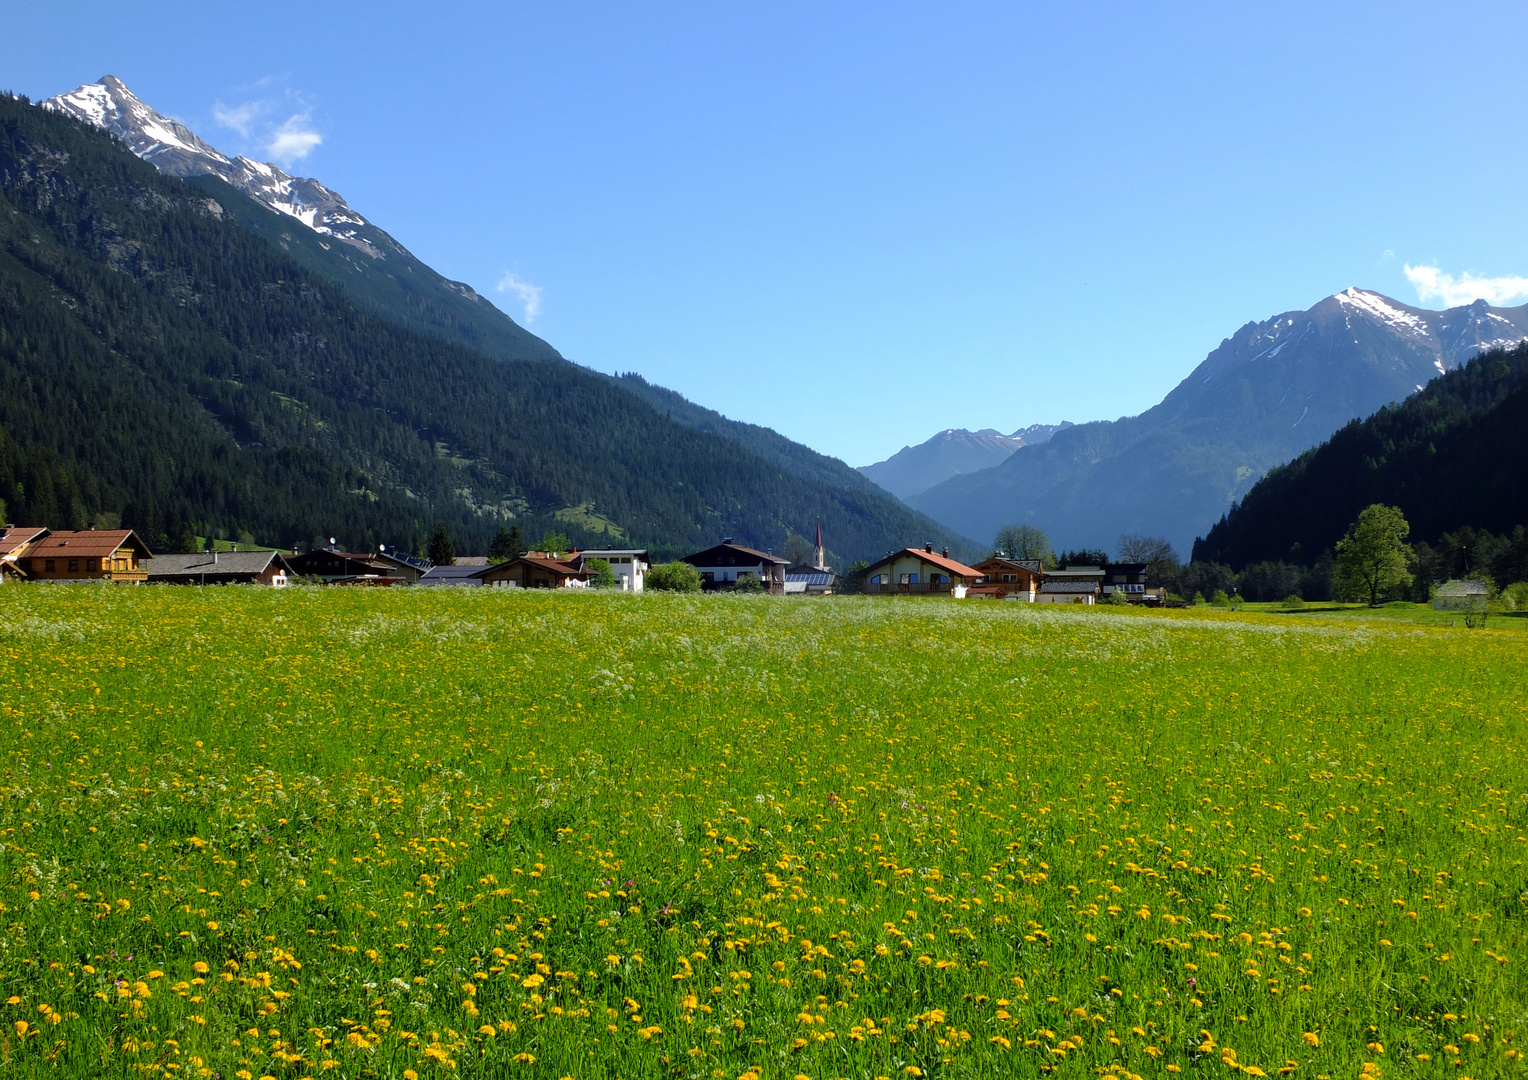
(1269,392)
(335,240)
(176,150)
(915,469)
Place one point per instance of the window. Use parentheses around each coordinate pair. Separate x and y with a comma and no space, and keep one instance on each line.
(876,580)
(74,566)
(26,565)
(92,565)
(48,567)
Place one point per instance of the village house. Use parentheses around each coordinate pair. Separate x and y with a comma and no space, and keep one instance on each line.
(345,568)
(14,542)
(469,575)
(921,571)
(1009,579)
(630,565)
(533,570)
(88,555)
(409,567)
(1470,594)
(727,563)
(1071,585)
(1130,579)
(220,568)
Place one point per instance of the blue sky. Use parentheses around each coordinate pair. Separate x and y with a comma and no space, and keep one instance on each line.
(863,223)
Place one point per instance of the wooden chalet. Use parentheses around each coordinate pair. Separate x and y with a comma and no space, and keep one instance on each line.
(14,542)
(1010,579)
(534,570)
(727,563)
(88,555)
(921,571)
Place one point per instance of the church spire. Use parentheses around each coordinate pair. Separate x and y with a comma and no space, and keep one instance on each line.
(821,564)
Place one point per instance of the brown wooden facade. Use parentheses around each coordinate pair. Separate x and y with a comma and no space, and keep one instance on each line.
(88,555)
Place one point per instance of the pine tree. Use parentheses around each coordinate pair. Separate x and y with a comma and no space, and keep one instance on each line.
(441,551)
(505,546)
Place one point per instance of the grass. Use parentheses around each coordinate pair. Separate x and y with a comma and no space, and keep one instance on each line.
(420,833)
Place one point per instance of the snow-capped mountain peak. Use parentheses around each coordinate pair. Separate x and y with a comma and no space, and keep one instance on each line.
(176,150)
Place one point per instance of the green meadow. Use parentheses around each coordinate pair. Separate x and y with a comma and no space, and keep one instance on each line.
(431,833)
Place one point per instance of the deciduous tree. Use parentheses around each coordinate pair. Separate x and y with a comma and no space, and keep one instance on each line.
(1373,557)
(1022,542)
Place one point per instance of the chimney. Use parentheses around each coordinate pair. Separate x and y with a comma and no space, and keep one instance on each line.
(946,553)
(235,547)
(726,539)
(928,548)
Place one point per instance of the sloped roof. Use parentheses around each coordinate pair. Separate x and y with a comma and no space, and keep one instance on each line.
(699,557)
(1001,564)
(403,558)
(202,562)
(1466,587)
(452,575)
(18,536)
(549,564)
(89,544)
(1068,587)
(944,562)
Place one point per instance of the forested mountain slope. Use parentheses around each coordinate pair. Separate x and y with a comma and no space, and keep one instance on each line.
(310,222)
(1454,454)
(315,225)
(161,361)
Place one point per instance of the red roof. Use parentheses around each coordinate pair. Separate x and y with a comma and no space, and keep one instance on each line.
(89,544)
(550,564)
(944,562)
(18,536)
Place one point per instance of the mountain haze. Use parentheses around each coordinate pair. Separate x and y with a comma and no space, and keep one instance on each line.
(914,469)
(1270,391)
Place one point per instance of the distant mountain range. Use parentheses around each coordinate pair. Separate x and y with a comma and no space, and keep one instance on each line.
(1271,391)
(915,469)
(185,350)
(1454,454)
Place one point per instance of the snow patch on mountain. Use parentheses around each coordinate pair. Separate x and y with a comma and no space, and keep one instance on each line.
(176,150)
(1375,306)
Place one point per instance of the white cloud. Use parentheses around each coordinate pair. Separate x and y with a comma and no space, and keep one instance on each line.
(240,118)
(1432,283)
(530,295)
(293,140)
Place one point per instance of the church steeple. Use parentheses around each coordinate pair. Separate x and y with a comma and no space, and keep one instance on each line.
(820,562)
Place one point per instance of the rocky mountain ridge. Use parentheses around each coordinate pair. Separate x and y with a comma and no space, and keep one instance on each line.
(1272,390)
(914,469)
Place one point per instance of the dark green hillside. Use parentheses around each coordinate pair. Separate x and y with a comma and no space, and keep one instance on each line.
(400,288)
(161,361)
(1454,454)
